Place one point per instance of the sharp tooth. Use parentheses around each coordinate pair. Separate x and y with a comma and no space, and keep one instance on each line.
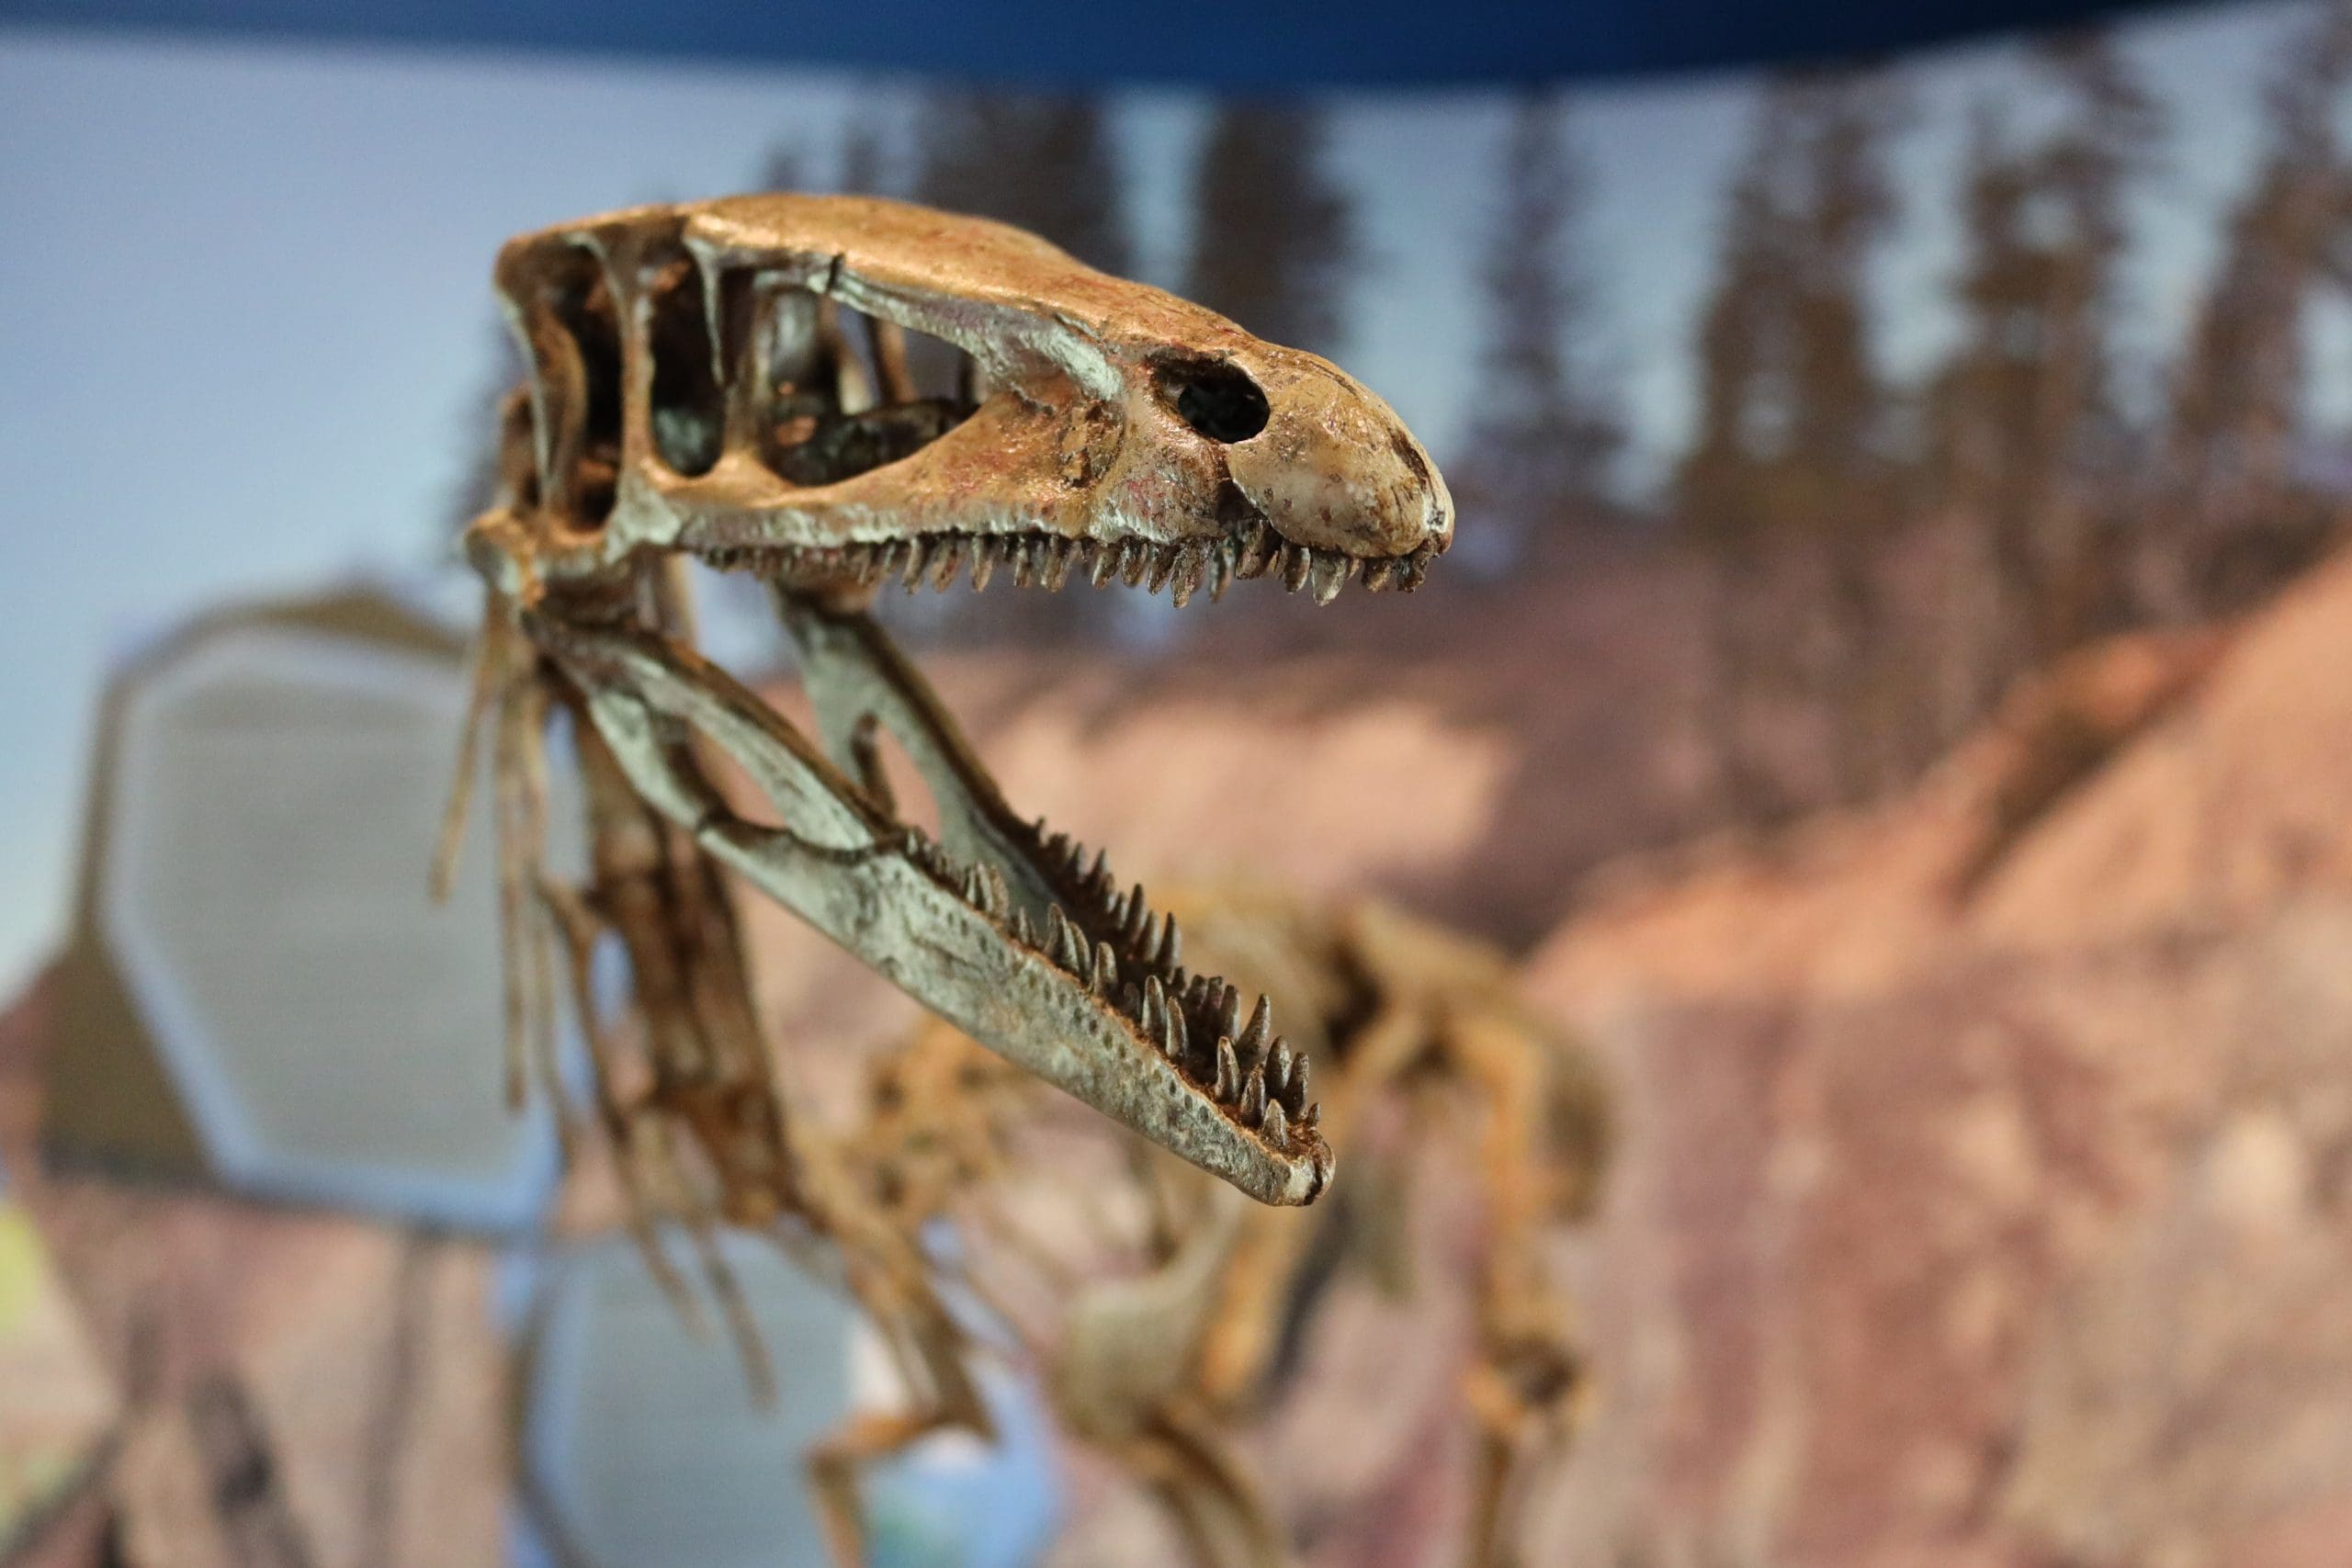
(1024,562)
(1106,969)
(1178,1036)
(999,891)
(985,556)
(1100,873)
(1155,1002)
(1138,917)
(976,890)
(1229,1012)
(1379,574)
(1268,552)
(1313,1115)
(1131,1000)
(1060,555)
(1172,946)
(1415,565)
(1145,939)
(1255,1039)
(1061,939)
(1229,1072)
(1022,932)
(1252,1104)
(1297,562)
(1135,556)
(1191,561)
(1276,1128)
(1294,1091)
(1241,551)
(1331,573)
(947,560)
(1278,1068)
(918,557)
(1163,567)
(1255,551)
(890,558)
(1220,572)
(1059,847)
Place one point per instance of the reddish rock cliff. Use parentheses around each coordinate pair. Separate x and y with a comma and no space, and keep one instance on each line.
(1986,1196)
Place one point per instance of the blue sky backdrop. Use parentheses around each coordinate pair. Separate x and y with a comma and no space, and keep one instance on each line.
(244,312)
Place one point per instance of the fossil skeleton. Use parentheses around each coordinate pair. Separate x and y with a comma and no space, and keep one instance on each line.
(1157,1369)
(694,393)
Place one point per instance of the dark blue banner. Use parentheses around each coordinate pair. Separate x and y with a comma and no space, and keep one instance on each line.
(1237,43)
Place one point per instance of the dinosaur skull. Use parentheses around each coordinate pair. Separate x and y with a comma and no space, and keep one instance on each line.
(693,392)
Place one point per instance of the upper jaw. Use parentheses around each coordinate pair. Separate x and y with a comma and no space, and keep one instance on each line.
(1302,502)
(1053,560)
(1091,436)
(1335,470)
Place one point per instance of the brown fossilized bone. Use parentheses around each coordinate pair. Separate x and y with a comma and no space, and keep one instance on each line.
(694,392)
(1160,1368)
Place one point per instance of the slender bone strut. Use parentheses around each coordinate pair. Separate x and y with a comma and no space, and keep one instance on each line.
(696,391)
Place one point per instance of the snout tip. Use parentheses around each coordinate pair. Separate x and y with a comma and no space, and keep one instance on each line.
(1436,531)
(1336,469)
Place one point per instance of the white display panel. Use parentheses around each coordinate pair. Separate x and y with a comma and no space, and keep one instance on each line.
(333,1035)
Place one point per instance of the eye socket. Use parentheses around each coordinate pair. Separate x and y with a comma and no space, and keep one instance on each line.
(1216,399)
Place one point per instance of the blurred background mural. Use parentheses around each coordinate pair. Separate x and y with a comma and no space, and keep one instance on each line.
(1891,693)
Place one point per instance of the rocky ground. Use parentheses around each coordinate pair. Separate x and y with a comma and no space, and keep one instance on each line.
(1986,1198)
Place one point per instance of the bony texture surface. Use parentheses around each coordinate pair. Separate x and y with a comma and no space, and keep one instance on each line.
(1174,1323)
(732,382)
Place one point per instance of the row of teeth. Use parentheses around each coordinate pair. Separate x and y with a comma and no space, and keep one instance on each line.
(1250,1068)
(1183,569)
